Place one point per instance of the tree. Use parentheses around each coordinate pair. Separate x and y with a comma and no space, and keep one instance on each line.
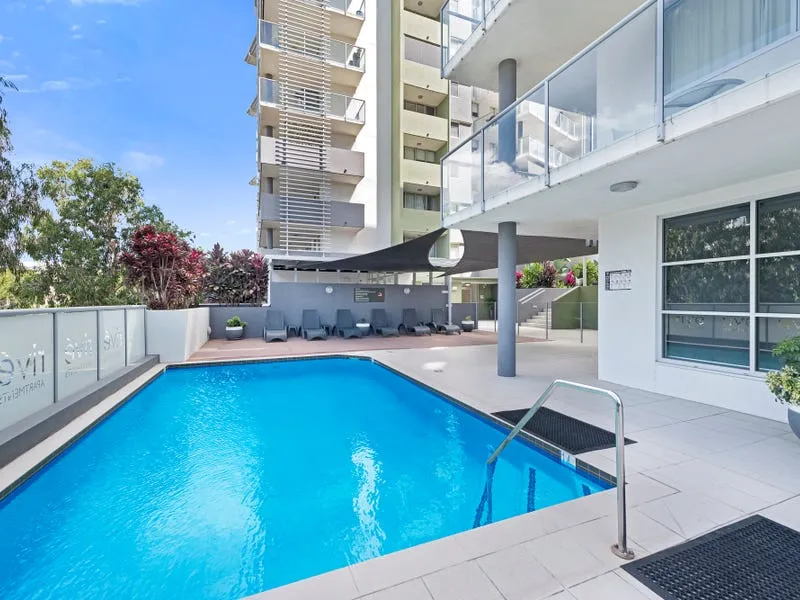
(591,269)
(80,243)
(19,197)
(167,272)
(530,275)
(236,278)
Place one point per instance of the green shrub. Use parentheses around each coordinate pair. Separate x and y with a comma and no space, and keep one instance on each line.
(235,322)
(785,383)
(591,269)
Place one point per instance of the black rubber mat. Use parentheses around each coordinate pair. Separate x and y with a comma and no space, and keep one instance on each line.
(573,435)
(752,559)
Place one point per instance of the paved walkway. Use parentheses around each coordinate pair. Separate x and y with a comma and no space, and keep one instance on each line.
(295,346)
(695,468)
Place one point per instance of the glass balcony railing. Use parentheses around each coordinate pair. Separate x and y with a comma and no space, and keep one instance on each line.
(340,53)
(313,101)
(628,82)
(458,19)
(354,8)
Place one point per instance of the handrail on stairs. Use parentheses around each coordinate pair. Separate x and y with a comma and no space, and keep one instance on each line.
(621,547)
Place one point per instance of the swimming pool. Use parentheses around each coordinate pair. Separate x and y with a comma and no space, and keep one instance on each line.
(222,481)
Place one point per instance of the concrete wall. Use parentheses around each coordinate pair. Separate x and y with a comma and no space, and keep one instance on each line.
(629,332)
(176,334)
(292,298)
(254,316)
(567,312)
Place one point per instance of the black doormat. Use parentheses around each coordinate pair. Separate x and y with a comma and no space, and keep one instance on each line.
(573,435)
(752,559)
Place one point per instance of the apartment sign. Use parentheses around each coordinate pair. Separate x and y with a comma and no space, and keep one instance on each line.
(26,366)
(76,351)
(112,341)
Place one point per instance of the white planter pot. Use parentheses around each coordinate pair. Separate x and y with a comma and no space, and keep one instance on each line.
(176,334)
(234,333)
(794,419)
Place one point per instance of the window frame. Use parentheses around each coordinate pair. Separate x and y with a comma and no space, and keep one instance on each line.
(753,315)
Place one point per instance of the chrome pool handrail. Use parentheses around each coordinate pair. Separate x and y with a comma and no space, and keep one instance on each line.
(621,547)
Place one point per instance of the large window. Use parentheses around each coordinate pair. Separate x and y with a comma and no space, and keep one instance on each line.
(419,107)
(421,201)
(731,283)
(419,154)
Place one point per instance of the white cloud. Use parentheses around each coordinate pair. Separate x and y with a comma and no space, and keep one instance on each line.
(57,85)
(16,77)
(120,2)
(75,28)
(142,161)
(4,38)
(230,223)
(102,22)
(204,234)
(16,54)
(76,36)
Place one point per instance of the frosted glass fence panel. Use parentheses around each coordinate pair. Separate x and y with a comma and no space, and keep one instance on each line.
(135,335)
(112,341)
(462,175)
(49,354)
(76,351)
(26,366)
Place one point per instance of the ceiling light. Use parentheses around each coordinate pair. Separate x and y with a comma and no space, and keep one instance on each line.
(419,2)
(624,186)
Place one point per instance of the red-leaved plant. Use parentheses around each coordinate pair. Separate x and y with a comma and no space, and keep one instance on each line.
(167,271)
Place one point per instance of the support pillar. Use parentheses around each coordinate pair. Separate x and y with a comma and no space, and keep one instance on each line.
(506,299)
(507,125)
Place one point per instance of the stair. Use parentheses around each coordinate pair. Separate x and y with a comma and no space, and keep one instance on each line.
(539,321)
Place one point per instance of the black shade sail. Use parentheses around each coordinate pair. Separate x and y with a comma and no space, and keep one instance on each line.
(480,253)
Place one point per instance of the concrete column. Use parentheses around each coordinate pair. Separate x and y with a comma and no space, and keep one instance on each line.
(506,299)
(507,126)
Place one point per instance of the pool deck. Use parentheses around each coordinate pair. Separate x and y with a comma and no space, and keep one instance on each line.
(295,346)
(695,468)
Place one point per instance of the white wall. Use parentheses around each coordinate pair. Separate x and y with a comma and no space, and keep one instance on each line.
(628,336)
(177,334)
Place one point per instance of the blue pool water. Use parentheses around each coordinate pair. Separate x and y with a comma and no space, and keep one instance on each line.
(219,482)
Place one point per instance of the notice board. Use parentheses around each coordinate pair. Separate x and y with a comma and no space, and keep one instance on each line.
(369,294)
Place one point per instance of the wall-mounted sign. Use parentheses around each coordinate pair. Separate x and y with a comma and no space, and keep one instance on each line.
(112,341)
(369,294)
(618,280)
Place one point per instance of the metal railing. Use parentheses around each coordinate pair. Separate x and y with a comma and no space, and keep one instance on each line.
(353,8)
(312,45)
(341,106)
(621,547)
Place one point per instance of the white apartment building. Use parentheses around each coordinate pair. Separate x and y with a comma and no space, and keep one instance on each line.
(324,72)
(666,131)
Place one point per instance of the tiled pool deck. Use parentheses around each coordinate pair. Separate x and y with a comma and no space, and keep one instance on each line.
(695,467)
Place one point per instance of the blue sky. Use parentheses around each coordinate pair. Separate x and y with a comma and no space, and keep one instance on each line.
(159,87)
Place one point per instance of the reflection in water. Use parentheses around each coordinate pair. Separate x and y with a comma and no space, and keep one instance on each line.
(369,538)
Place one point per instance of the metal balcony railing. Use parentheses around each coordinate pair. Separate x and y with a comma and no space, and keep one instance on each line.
(596,99)
(354,8)
(310,44)
(335,105)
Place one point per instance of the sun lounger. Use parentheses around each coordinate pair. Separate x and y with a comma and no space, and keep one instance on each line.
(346,324)
(380,323)
(312,326)
(275,326)
(411,324)
(439,323)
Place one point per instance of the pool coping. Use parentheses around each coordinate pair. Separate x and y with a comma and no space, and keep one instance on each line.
(358,579)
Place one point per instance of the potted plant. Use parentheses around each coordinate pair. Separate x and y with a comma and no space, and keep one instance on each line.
(785,383)
(234,328)
(467,324)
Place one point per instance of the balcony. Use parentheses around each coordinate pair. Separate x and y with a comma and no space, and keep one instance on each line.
(347,61)
(421,176)
(423,83)
(347,215)
(424,131)
(346,113)
(605,117)
(346,17)
(540,34)
(344,166)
